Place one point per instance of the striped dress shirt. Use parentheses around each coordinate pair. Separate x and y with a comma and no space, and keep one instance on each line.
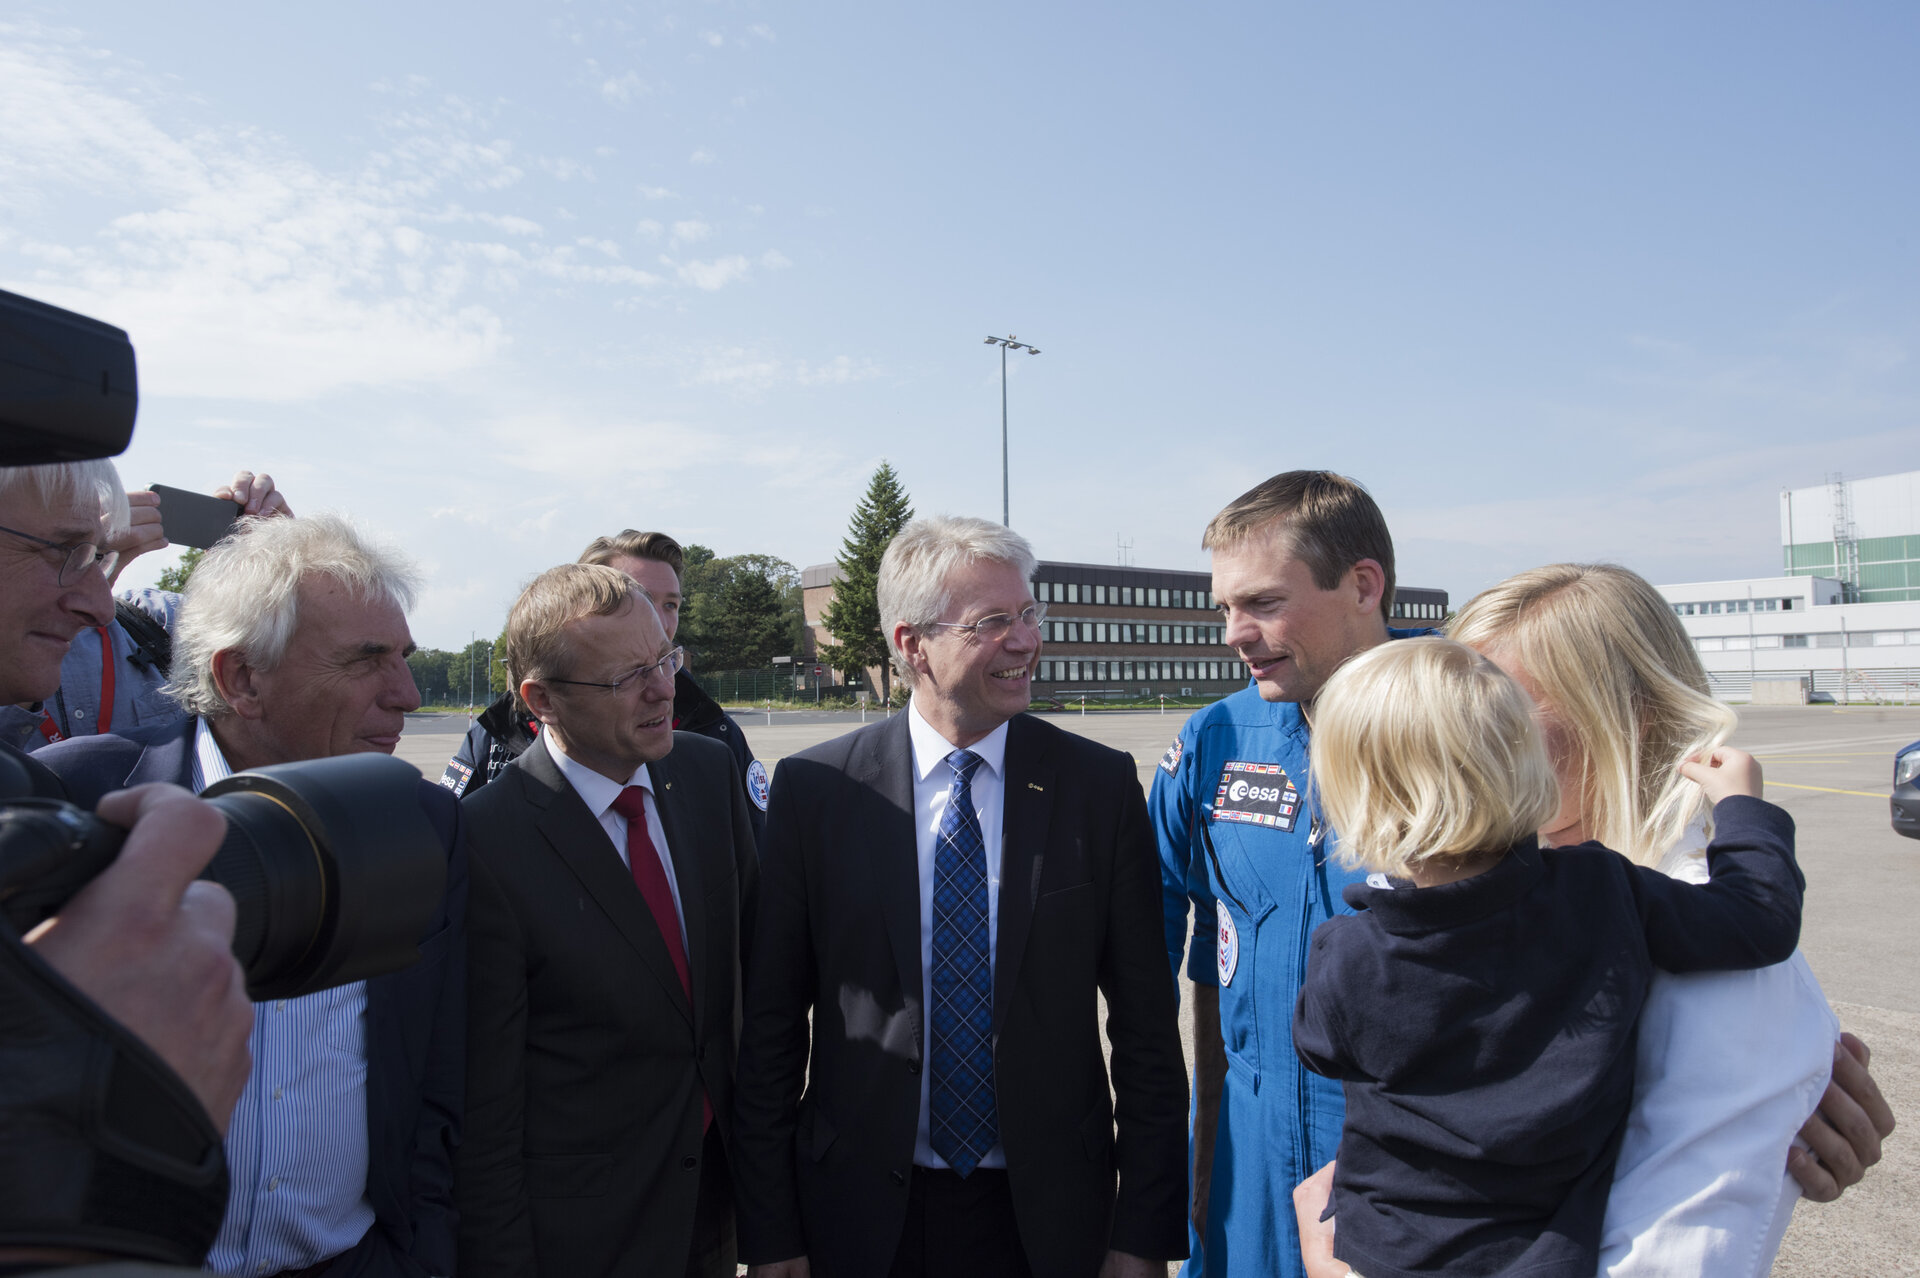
(297,1146)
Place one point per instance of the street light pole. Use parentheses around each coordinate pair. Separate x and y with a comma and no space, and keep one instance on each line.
(1003,343)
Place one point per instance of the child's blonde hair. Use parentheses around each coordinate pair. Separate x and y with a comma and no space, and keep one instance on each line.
(1423,748)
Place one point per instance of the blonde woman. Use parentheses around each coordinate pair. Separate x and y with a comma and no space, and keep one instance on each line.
(1729,1065)
(1726,1061)
(1479,1009)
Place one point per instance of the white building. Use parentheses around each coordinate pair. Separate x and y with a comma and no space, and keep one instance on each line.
(1866,532)
(1799,626)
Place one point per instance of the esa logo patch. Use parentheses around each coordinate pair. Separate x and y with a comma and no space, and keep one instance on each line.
(757,784)
(1257,794)
(1170,761)
(456,776)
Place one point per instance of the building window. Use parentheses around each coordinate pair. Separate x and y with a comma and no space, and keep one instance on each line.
(1793,641)
(1046,670)
(1100,671)
(1829,641)
(1099,594)
(1073,672)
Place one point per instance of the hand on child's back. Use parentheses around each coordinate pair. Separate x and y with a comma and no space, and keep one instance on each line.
(1725,772)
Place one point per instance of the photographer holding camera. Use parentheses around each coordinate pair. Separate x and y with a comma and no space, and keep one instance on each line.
(145,941)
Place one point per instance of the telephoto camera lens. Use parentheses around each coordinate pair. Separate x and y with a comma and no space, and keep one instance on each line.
(334,867)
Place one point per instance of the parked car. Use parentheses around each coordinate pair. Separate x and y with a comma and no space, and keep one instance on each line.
(1906,791)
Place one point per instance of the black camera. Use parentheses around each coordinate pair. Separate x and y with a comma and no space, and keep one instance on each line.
(336,871)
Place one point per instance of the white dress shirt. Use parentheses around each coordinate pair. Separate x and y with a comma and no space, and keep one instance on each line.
(932,786)
(1727,1067)
(598,793)
(297,1145)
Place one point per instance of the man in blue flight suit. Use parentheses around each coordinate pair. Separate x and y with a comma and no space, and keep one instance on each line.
(1303,574)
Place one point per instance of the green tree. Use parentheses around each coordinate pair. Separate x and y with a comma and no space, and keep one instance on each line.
(175,578)
(740,611)
(468,673)
(853,618)
(429,666)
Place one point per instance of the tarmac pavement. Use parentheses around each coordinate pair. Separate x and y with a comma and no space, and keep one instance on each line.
(1831,767)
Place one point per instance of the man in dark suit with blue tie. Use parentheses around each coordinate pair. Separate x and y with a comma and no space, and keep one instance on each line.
(946,894)
(292,645)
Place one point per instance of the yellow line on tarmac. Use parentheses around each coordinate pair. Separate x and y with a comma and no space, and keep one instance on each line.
(1827,789)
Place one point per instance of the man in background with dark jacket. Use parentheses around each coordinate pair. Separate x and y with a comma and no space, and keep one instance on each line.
(504,729)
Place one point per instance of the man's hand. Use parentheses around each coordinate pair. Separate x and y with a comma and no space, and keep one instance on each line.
(151,944)
(256,494)
(1119,1264)
(1845,1132)
(1316,1235)
(142,533)
(795,1268)
(1724,773)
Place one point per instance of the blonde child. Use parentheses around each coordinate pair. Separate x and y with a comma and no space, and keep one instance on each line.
(1480,1007)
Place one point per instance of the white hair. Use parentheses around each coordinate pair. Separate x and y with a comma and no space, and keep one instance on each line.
(912,587)
(61,484)
(245,595)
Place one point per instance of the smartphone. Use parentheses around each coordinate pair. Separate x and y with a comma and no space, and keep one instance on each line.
(195,519)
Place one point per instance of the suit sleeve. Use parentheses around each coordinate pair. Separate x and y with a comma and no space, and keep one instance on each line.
(444,1083)
(1747,915)
(774,1042)
(496,1230)
(1174,807)
(1149,1072)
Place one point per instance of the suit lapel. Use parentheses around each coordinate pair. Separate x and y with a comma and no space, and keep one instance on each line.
(583,846)
(884,770)
(1025,814)
(684,845)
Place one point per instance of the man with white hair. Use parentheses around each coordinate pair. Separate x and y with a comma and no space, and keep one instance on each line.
(946,893)
(292,645)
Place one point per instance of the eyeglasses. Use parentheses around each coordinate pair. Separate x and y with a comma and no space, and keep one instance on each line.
(79,555)
(994,628)
(669,665)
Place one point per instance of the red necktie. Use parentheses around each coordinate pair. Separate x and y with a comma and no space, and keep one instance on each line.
(651,878)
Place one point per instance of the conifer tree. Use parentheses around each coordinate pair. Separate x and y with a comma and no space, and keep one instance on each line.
(853,617)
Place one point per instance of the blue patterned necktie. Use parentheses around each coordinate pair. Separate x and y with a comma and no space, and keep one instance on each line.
(964,1123)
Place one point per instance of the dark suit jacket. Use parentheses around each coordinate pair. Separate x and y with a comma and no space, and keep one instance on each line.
(586,1060)
(416,1040)
(838,935)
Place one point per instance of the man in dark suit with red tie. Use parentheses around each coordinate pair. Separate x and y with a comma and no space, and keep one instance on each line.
(613,866)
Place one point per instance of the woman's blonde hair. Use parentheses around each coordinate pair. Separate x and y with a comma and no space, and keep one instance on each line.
(1605,650)
(1424,748)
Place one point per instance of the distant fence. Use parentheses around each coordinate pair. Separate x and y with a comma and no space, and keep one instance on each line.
(779,684)
(1890,685)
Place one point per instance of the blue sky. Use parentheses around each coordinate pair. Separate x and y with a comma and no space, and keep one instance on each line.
(1554,282)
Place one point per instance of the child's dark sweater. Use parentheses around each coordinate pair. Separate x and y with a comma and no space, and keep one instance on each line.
(1484,1031)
